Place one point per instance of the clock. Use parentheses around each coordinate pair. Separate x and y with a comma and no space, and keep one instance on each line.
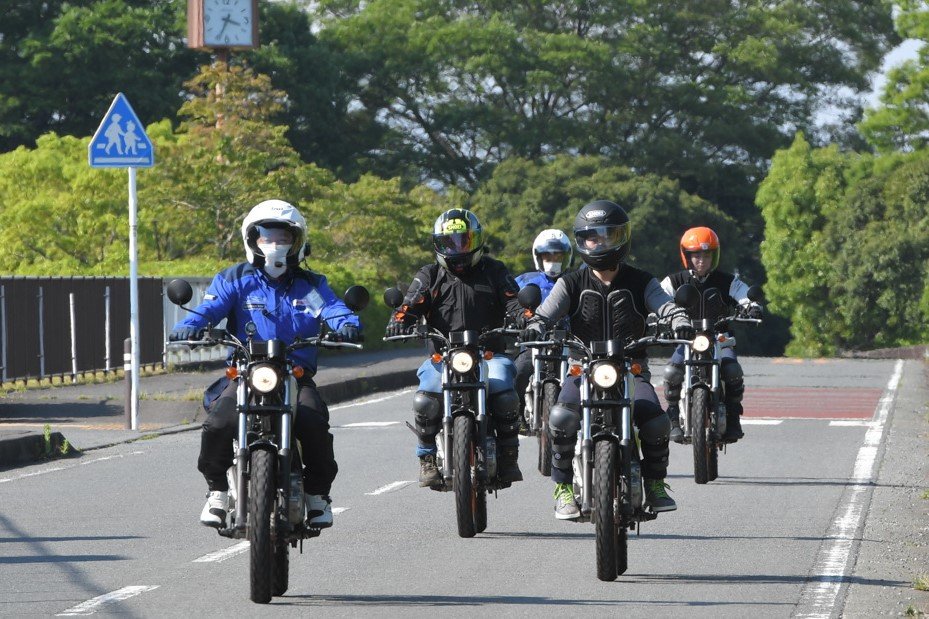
(222,24)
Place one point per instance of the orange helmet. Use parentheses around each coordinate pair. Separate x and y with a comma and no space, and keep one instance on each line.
(699,239)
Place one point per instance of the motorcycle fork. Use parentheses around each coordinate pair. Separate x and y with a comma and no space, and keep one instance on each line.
(284,452)
(626,446)
(479,401)
(536,392)
(686,390)
(241,506)
(586,447)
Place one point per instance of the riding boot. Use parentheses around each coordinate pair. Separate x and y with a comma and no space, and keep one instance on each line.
(508,464)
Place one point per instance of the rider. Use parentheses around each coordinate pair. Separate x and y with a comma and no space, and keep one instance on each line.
(700,257)
(284,302)
(462,290)
(608,300)
(553,255)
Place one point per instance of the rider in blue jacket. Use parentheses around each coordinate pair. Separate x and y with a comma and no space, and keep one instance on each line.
(552,254)
(284,302)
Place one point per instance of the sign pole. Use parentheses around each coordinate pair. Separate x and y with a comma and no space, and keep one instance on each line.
(134,298)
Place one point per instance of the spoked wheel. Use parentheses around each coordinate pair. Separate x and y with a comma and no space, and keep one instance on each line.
(699,416)
(466,500)
(605,493)
(260,512)
(549,397)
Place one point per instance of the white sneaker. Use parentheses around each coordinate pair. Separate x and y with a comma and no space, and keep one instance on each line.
(318,511)
(214,512)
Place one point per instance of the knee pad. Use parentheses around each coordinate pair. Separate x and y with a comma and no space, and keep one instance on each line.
(655,431)
(427,413)
(504,408)
(673,377)
(731,373)
(564,421)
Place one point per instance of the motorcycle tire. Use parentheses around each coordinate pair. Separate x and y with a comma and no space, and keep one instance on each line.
(462,461)
(260,511)
(480,510)
(549,397)
(605,493)
(281,563)
(699,417)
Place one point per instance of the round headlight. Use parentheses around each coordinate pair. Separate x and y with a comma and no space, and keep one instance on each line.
(701,343)
(605,375)
(462,362)
(264,379)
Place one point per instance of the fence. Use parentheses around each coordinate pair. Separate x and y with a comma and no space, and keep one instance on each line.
(68,326)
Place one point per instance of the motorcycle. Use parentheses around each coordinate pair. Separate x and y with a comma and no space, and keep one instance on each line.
(467,452)
(703,398)
(266,499)
(607,462)
(549,366)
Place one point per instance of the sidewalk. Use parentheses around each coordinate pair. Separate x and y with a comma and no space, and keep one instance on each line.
(93,416)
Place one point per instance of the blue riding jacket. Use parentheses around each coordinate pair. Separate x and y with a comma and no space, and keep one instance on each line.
(286,309)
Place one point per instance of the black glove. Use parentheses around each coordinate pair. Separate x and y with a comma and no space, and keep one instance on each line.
(755,311)
(348,333)
(682,327)
(532,332)
(396,327)
(520,321)
(185,333)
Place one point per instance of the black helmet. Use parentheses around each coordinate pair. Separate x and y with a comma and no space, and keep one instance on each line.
(601,234)
(458,240)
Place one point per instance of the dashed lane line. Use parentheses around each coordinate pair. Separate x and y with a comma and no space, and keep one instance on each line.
(389,487)
(371,401)
(94,604)
(53,469)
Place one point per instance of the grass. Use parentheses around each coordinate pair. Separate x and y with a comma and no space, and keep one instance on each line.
(912,611)
(921,582)
(50,452)
(191,395)
(83,378)
(926,495)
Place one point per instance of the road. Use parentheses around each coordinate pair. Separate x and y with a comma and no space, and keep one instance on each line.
(115,532)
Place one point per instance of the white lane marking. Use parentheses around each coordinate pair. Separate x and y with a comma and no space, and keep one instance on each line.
(851,423)
(762,422)
(339,510)
(819,595)
(3,480)
(369,424)
(91,606)
(372,401)
(389,487)
(225,553)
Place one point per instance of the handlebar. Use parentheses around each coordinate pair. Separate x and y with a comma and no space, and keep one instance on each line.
(218,337)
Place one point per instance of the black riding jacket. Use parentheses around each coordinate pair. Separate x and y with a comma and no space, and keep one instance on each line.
(732,292)
(477,300)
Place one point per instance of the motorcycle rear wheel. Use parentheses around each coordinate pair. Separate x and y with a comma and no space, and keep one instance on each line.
(260,512)
(549,397)
(462,460)
(610,545)
(699,416)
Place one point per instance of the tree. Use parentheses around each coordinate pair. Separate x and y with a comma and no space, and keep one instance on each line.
(702,93)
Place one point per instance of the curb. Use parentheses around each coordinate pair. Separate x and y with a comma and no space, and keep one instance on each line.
(30,447)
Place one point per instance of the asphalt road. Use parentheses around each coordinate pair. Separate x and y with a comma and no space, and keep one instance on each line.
(778,535)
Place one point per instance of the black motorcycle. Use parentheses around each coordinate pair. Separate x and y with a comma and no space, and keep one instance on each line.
(266,478)
(703,397)
(467,452)
(549,365)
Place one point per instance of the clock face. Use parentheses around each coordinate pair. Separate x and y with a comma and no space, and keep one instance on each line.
(227,23)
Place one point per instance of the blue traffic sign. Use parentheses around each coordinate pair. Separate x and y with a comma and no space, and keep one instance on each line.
(120,141)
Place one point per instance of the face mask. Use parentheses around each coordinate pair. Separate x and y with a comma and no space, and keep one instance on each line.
(275,258)
(551,268)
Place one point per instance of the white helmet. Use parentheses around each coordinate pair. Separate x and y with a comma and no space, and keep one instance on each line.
(552,241)
(274,214)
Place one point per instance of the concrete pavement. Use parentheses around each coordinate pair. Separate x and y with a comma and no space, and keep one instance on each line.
(92,416)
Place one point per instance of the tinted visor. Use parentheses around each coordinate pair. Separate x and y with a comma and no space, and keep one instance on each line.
(456,243)
(601,238)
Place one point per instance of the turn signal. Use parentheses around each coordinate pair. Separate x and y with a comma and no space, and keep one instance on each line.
(574,370)
(232,372)
(636,369)
(488,355)
(298,371)
(436,357)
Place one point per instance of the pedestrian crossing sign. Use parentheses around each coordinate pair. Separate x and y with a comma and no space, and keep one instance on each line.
(120,140)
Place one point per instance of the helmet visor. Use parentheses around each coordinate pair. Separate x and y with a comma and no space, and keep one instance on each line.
(456,243)
(595,239)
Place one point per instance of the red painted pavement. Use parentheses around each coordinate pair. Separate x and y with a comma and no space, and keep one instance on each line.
(812,402)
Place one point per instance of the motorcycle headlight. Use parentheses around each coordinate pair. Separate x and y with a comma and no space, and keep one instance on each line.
(605,375)
(264,379)
(701,343)
(462,362)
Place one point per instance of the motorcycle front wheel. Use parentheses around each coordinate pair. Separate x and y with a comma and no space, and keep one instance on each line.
(610,545)
(549,397)
(260,512)
(466,500)
(699,416)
